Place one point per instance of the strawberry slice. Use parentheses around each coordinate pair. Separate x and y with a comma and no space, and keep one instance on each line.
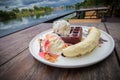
(42,54)
(47,45)
(47,42)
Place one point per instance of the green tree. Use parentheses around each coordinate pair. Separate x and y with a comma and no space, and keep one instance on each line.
(36,8)
(77,5)
(24,10)
(41,8)
(31,10)
(6,15)
(16,10)
(47,8)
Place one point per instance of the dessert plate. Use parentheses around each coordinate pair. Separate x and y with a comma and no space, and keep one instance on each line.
(97,55)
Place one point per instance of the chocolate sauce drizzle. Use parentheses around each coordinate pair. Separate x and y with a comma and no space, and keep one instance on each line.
(101,40)
(63,55)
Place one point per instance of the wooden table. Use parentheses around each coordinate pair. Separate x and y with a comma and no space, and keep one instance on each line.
(16,62)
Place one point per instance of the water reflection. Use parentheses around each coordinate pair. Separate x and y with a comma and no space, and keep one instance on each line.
(13,23)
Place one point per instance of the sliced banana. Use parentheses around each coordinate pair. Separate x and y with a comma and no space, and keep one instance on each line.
(84,47)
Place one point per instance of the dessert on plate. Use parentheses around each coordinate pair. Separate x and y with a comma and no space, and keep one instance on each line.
(68,41)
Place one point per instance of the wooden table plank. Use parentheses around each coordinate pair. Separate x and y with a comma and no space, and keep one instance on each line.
(17,67)
(24,67)
(12,45)
(114,31)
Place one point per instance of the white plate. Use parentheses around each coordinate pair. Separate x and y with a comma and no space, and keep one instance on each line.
(97,55)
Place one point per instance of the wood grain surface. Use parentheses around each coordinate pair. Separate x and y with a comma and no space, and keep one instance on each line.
(16,62)
(14,44)
(114,30)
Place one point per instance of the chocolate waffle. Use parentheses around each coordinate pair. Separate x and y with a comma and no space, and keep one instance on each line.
(74,37)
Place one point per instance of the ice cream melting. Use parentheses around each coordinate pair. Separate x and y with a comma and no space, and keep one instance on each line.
(53,44)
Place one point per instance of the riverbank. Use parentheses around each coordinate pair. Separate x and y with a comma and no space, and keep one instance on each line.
(16,13)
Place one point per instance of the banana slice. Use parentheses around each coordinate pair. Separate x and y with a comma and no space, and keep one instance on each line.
(84,47)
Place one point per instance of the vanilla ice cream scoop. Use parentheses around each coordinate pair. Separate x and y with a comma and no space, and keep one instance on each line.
(53,44)
(61,27)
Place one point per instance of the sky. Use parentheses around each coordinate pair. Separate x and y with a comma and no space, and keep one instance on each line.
(30,3)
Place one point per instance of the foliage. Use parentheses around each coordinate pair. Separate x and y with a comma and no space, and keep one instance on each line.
(91,3)
(77,5)
(16,13)
(16,10)
(46,8)
(6,15)
(36,8)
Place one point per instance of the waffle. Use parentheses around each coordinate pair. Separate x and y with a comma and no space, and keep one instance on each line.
(74,37)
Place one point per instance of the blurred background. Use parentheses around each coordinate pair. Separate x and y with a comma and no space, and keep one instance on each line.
(16,15)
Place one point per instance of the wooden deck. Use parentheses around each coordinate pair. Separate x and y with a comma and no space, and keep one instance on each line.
(16,62)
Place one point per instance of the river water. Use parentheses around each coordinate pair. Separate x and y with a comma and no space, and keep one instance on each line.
(25,22)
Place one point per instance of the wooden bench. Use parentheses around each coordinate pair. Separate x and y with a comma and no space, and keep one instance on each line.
(90,14)
(84,20)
